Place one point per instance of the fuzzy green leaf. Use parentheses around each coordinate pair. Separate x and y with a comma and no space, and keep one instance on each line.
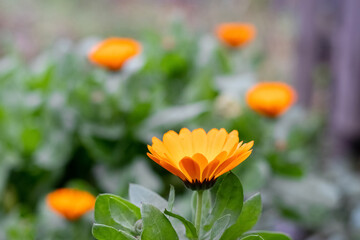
(103,232)
(102,212)
(252,237)
(124,212)
(229,200)
(270,235)
(219,227)
(140,195)
(156,225)
(171,198)
(189,227)
(107,212)
(249,216)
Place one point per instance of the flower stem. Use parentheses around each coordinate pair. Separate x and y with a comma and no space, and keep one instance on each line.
(198,210)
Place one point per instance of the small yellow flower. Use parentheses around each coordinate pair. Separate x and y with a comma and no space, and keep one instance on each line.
(236,34)
(112,53)
(271,99)
(70,203)
(197,157)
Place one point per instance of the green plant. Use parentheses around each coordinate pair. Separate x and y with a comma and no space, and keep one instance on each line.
(146,215)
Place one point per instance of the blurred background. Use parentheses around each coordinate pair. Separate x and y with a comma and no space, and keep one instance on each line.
(67,123)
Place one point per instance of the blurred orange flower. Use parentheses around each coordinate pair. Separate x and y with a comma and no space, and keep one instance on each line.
(112,53)
(197,157)
(70,203)
(236,34)
(271,98)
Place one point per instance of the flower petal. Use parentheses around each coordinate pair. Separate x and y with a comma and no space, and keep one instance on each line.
(171,141)
(159,147)
(231,141)
(217,143)
(186,141)
(168,167)
(199,140)
(189,166)
(229,165)
(201,160)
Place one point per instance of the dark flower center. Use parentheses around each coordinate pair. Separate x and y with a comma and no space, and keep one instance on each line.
(197,185)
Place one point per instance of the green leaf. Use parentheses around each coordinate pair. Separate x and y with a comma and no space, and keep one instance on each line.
(229,200)
(103,232)
(249,216)
(103,214)
(219,227)
(140,195)
(124,212)
(30,138)
(156,225)
(171,198)
(282,166)
(189,227)
(252,237)
(270,235)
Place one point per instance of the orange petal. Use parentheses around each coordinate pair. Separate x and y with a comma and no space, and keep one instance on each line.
(186,141)
(246,147)
(199,140)
(201,160)
(231,164)
(153,152)
(211,135)
(207,173)
(223,165)
(168,167)
(159,147)
(231,141)
(234,149)
(189,166)
(217,143)
(172,143)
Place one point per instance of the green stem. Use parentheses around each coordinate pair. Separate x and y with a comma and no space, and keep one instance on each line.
(198,210)
(76,227)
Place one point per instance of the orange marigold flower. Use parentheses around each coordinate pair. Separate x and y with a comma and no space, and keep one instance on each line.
(197,157)
(236,34)
(112,53)
(70,203)
(271,98)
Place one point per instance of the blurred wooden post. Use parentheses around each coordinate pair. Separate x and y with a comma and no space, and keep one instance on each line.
(306,50)
(346,65)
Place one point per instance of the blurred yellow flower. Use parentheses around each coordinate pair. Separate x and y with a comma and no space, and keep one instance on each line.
(197,157)
(70,203)
(112,53)
(236,34)
(271,98)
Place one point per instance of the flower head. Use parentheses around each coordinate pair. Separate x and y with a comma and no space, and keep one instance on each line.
(197,157)
(70,203)
(235,34)
(112,53)
(271,98)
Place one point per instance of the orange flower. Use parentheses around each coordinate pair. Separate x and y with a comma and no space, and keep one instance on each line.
(197,157)
(235,34)
(271,98)
(112,53)
(70,203)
